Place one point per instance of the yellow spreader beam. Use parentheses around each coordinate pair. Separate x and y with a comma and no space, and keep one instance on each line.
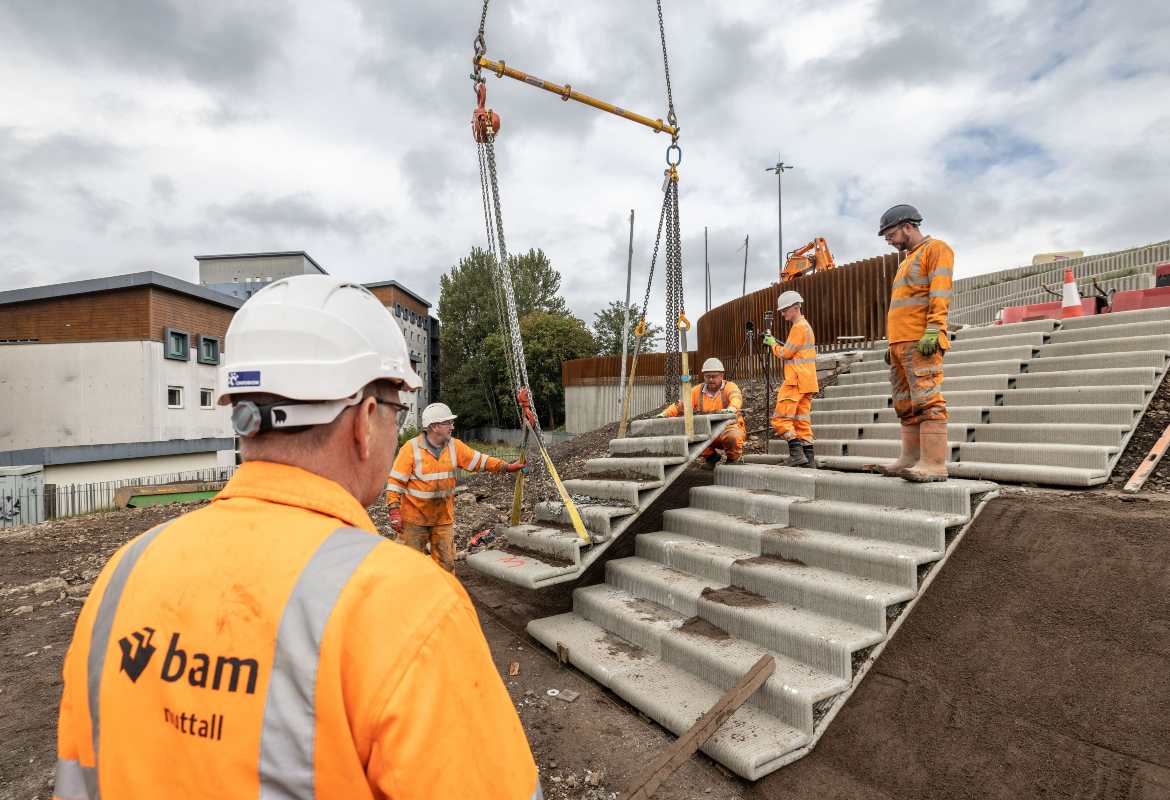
(567,92)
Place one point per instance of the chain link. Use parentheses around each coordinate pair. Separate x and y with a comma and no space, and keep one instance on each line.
(670,116)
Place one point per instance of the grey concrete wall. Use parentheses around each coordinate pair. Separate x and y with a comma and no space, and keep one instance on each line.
(589,407)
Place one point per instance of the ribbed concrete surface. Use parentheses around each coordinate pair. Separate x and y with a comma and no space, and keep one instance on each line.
(1048,402)
(616,490)
(811,566)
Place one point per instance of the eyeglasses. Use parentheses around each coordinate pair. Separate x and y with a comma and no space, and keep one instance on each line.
(400,410)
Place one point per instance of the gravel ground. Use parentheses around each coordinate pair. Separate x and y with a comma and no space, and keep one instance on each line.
(1149,430)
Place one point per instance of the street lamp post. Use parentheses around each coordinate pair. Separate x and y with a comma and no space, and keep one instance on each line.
(779,170)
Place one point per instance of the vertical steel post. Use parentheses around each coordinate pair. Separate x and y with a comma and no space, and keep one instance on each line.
(746,240)
(779,170)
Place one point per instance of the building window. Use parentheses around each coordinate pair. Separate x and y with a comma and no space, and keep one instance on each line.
(206,398)
(208,349)
(176,344)
(174,397)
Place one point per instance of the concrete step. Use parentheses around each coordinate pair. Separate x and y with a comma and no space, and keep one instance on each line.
(561,544)
(1106,414)
(1058,433)
(970,415)
(1077,395)
(1121,318)
(622,492)
(1002,331)
(1005,473)
(1131,329)
(1006,367)
(648,446)
(1137,358)
(598,519)
(1015,353)
(954,497)
(524,569)
(950,384)
(880,401)
(670,426)
(848,416)
(956,431)
(965,344)
(751,742)
(641,469)
(1078,456)
(861,601)
(905,526)
(888,562)
(1123,344)
(822,642)
(1128,376)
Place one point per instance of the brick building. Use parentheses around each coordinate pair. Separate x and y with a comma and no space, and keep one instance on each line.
(113,378)
(412,313)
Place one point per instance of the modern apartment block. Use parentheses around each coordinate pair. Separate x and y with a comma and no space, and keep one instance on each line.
(412,313)
(241,275)
(113,378)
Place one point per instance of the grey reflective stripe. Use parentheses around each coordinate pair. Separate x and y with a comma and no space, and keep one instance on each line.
(75,782)
(537,793)
(430,476)
(910,301)
(475,459)
(392,489)
(910,280)
(812,360)
(288,735)
(423,495)
(399,476)
(99,638)
(943,270)
(940,292)
(454,454)
(901,395)
(802,416)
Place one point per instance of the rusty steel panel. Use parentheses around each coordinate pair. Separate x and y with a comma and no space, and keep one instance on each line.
(601,369)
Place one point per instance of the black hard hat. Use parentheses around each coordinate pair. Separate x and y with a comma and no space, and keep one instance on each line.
(896,216)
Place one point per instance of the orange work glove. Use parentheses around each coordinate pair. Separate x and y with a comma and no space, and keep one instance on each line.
(516,466)
(396,519)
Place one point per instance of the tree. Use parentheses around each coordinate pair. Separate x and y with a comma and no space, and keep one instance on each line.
(607,330)
(471,381)
(549,340)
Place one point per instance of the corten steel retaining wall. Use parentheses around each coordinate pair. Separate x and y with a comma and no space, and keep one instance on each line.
(848,301)
(592,395)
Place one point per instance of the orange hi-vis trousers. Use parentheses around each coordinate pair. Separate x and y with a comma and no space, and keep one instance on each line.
(916,381)
(730,442)
(441,538)
(792,418)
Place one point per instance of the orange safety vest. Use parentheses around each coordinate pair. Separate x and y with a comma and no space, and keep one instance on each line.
(273,645)
(921,293)
(728,396)
(425,484)
(799,352)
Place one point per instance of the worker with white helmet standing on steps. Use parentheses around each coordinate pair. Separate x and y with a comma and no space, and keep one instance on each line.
(714,395)
(916,327)
(792,417)
(242,649)
(421,488)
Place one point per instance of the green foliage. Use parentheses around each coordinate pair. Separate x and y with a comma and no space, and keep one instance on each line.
(406,434)
(473,382)
(607,330)
(549,340)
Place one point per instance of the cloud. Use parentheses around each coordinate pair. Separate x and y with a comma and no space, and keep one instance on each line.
(163,190)
(297,213)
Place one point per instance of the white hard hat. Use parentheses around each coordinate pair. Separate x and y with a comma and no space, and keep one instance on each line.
(713,365)
(311,338)
(787,299)
(436,412)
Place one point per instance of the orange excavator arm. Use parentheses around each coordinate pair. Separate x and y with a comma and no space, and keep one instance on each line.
(812,257)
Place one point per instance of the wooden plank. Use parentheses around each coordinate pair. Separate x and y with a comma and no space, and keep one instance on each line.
(1149,463)
(681,749)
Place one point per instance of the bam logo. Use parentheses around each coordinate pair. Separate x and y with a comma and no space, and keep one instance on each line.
(135,660)
(221,673)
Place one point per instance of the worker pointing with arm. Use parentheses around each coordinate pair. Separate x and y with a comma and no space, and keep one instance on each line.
(714,395)
(916,327)
(792,418)
(421,488)
(272,644)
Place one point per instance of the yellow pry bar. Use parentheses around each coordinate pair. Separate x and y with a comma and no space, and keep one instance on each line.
(567,92)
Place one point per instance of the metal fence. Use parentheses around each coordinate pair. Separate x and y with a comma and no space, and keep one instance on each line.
(54,501)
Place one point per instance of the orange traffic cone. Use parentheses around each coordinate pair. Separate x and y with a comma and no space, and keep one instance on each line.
(1070,305)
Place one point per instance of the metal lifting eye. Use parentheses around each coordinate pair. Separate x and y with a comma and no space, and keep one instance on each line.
(678,151)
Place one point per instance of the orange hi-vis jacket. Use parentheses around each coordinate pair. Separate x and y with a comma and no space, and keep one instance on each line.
(799,352)
(703,402)
(921,293)
(272,645)
(424,483)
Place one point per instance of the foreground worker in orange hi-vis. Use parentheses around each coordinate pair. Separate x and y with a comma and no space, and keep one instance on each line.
(792,417)
(714,395)
(916,327)
(421,488)
(272,644)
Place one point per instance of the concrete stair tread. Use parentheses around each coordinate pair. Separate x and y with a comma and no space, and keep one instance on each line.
(639,469)
(524,570)
(1119,376)
(1107,343)
(1008,473)
(1076,395)
(1116,318)
(751,742)
(1132,358)
(1129,329)
(1083,413)
(997,331)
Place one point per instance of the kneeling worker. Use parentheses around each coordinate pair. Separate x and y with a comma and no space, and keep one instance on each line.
(243,649)
(792,419)
(421,488)
(712,396)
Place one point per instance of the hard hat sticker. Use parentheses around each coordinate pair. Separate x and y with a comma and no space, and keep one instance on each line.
(244,378)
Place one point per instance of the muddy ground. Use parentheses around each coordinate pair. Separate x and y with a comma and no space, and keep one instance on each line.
(1037,665)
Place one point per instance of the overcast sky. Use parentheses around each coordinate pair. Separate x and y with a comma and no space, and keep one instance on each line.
(136,134)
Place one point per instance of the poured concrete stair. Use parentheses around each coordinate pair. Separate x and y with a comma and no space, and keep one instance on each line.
(1050,402)
(813,567)
(614,492)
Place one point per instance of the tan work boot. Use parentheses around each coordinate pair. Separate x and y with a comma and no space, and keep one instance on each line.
(911,452)
(932,464)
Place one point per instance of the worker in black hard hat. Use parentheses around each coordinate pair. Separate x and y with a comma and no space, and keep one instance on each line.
(916,327)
